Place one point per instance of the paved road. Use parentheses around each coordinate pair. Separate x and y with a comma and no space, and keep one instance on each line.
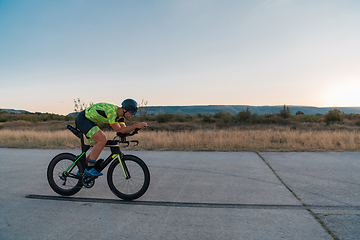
(192,195)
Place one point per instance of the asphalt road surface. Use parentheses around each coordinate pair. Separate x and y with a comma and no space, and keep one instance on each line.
(192,195)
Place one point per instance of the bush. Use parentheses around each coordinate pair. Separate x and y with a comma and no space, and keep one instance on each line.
(244,116)
(255,118)
(285,112)
(224,118)
(165,117)
(308,118)
(352,116)
(183,117)
(207,118)
(333,116)
(279,120)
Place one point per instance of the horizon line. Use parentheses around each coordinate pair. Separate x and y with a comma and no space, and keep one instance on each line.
(253,105)
(204,105)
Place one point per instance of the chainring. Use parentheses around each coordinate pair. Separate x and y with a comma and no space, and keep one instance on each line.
(88,181)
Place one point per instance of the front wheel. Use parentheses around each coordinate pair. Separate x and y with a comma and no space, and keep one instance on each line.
(133,187)
(64,173)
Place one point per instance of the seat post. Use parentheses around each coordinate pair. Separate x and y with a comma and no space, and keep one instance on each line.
(84,147)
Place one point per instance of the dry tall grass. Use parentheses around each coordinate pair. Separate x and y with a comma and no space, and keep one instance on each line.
(37,139)
(252,140)
(201,140)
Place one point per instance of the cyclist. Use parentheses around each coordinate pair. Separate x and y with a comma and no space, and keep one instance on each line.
(88,119)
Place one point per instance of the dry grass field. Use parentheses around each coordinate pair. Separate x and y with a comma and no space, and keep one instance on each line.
(241,138)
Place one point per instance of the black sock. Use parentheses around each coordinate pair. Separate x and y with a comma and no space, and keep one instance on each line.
(92,162)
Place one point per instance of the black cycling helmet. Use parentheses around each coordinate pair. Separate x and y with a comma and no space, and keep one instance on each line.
(130,105)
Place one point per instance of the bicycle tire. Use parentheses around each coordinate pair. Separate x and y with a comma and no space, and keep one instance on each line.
(134,187)
(61,184)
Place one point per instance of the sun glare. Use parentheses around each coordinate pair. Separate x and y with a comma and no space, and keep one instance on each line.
(343,94)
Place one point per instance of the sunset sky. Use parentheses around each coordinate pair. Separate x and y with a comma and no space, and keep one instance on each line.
(179,52)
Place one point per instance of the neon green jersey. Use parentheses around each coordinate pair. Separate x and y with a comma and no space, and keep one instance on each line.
(103,112)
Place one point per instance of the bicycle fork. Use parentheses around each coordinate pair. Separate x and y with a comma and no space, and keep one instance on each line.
(123,165)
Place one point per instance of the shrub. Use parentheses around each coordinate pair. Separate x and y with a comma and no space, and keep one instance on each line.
(143,110)
(352,116)
(207,118)
(224,118)
(285,112)
(244,116)
(308,118)
(255,118)
(165,117)
(333,115)
(279,120)
(183,117)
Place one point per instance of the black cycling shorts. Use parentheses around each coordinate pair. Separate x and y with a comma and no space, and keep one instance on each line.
(85,125)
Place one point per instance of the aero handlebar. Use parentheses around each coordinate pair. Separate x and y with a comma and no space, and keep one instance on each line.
(124,135)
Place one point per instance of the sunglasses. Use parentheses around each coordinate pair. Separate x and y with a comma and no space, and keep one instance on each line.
(132,111)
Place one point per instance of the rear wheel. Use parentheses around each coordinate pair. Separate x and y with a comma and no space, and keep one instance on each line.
(63,174)
(136,185)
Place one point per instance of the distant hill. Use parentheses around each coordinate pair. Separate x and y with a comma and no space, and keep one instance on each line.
(14,111)
(233,109)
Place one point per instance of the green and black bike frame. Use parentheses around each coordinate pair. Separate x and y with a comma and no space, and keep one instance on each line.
(115,154)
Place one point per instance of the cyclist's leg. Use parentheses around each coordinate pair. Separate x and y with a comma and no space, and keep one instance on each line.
(98,138)
(100,143)
(93,134)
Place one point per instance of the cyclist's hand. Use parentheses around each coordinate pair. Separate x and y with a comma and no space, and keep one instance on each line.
(120,134)
(141,125)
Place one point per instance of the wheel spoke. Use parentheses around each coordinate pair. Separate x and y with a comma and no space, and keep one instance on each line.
(64,184)
(133,187)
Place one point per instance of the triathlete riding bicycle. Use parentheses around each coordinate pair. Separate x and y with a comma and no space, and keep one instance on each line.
(87,121)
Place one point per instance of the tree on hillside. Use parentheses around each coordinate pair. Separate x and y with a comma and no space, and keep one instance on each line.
(143,109)
(285,112)
(80,105)
(244,115)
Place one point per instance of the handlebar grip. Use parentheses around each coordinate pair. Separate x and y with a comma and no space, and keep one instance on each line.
(120,134)
(136,130)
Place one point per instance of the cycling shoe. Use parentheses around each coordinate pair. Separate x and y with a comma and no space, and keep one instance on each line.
(92,172)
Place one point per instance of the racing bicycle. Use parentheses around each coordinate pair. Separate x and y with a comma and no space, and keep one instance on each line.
(128,176)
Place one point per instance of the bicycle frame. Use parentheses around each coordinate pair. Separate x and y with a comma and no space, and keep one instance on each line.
(66,175)
(115,154)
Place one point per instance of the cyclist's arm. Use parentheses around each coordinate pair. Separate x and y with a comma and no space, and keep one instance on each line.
(124,129)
